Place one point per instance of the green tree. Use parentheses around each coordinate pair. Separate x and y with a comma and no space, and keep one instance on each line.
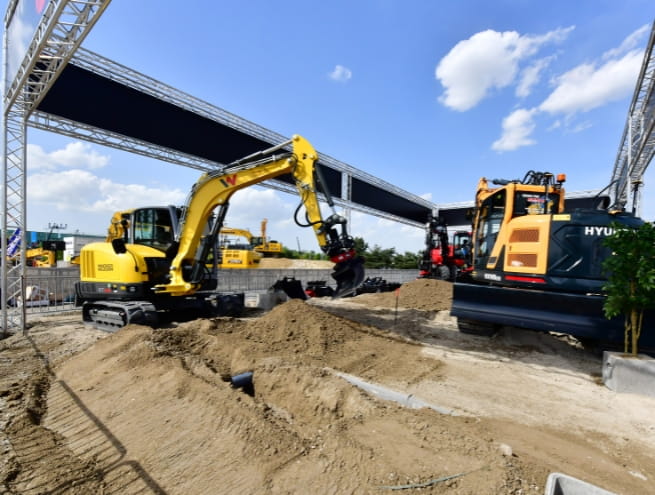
(407,260)
(380,258)
(630,287)
(360,245)
(289,253)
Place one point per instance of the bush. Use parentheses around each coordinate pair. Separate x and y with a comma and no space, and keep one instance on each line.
(630,287)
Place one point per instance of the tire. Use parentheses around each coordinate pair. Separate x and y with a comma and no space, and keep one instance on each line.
(443,272)
(474,327)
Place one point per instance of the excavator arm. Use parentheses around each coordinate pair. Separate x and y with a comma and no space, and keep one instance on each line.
(214,190)
(239,232)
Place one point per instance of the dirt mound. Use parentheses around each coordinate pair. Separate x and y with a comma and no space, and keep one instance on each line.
(145,411)
(165,398)
(33,457)
(424,294)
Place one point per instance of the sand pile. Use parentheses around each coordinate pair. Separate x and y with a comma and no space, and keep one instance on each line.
(424,294)
(143,411)
(157,411)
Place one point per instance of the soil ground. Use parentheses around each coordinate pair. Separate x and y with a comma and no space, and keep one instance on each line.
(143,411)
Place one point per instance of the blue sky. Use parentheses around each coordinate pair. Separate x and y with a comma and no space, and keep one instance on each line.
(427,95)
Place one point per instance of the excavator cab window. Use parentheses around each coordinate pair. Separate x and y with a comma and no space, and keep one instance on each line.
(492,212)
(153,227)
(535,203)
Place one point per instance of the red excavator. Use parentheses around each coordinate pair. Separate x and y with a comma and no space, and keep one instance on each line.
(442,259)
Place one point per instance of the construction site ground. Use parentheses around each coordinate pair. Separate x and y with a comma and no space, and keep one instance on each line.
(153,411)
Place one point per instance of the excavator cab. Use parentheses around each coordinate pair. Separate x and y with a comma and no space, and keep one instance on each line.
(153,227)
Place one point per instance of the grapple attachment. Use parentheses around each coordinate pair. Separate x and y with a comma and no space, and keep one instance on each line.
(349,274)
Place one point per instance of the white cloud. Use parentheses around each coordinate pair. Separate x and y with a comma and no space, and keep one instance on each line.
(74,155)
(530,76)
(581,126)
(85,202)
(581,89)
(81,192)
(631,42)
(586,86)
(248,207)
(487,60)
(340,74)
(375,231)
(517,128)
(555,125)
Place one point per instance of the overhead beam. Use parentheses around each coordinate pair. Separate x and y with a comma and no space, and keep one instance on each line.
(136,113)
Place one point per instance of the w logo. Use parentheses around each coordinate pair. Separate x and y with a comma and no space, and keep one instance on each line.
(229,180)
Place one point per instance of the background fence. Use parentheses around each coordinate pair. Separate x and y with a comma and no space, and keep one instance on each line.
(53,289)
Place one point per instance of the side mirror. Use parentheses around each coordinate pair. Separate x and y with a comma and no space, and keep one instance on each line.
(119,246)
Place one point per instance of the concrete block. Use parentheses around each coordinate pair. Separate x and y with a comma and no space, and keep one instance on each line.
(263,300)
(625,373)
(561,484)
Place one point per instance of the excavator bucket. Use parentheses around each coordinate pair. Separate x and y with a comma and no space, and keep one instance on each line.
(349,275)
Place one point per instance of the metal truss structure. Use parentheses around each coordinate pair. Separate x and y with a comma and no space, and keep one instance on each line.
(125,76)
(61,29)
(638,141)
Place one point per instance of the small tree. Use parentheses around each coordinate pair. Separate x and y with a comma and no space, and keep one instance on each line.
(361,245)
(380,258)
(630,287)
(407,260)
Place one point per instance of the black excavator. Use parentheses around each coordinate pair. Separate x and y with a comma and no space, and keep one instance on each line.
(156,259)
(536,264)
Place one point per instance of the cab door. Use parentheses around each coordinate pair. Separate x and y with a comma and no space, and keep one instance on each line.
(488,222)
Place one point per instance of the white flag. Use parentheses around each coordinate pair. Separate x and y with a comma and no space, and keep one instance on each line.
(14,243)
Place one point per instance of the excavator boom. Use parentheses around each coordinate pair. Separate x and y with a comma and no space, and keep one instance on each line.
(215,189)
(157,259)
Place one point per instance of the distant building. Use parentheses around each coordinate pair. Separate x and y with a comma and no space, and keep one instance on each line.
(75,243)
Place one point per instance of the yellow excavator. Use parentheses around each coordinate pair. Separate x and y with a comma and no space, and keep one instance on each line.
(238,255)
(41,257)
(155,258)
(265,246)
(44,256)
(243,255)
(246,255)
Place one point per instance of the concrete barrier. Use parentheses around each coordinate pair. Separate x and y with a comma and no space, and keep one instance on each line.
(59,282)
(561,484)
(626,373)
(263,278)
